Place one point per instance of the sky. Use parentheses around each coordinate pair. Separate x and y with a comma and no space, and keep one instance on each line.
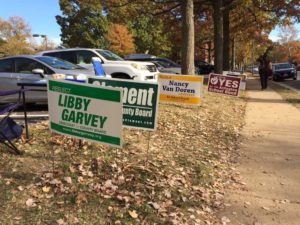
(274,34)
(40,15)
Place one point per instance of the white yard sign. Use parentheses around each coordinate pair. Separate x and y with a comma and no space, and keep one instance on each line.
(86,111)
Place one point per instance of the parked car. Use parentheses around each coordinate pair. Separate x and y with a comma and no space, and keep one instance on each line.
(203,67)
(283,71)
(32,68)
(113,65)
(252,69)
(163,65)
(162,68)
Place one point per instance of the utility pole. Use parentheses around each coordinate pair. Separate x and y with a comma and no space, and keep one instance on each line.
(44,36)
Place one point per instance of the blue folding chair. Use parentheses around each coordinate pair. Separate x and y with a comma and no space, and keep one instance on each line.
(9,129)
(99,71)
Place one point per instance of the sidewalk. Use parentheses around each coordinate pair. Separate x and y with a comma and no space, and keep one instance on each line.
(270,163)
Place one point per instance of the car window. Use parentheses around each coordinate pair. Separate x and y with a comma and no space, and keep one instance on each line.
(59,63)
(53,54)
(163,64)
(69,56)
(169,63)
(24,65)
(85,57)
(7,65)
(109,55)
(158,64)
(283,66)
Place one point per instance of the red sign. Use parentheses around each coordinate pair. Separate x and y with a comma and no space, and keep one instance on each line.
(227,85)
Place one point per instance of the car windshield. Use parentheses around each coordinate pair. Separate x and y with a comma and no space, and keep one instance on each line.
(162,63)
(168,63)
(59,64)
(109,55)
(283,66)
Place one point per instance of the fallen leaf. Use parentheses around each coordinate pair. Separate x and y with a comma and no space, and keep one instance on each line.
(55,182)
(68,180)
(20,188)
(133,214)
(110,209)
(60,222)
(167,193)
(46,189)
(154,205)
(30,202)
(17,218)
(81,198)
(266,208)
(225,220)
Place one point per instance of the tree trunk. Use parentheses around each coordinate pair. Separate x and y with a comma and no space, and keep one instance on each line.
(226,41)
(232,54)
(218,35)
(209,52)
(188,51)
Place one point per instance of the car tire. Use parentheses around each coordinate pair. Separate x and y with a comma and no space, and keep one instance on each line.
(295,78)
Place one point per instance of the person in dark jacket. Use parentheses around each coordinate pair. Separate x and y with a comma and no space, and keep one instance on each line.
(265,71)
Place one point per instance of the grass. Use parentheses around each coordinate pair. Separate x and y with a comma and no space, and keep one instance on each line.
(289,95)
(187,163)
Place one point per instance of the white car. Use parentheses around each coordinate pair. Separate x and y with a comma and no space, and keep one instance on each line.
(113,65)
(34,68)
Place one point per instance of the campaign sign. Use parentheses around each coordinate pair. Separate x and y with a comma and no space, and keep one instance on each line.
(227,85)
(140,101)
(243,80)
(85,111)
(182,89)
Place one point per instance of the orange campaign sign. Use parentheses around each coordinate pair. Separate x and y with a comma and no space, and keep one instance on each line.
(182,89)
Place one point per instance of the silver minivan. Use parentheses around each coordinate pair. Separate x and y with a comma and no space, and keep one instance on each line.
(33,68)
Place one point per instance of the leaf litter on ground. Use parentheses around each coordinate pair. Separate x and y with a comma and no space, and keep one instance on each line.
(179,180)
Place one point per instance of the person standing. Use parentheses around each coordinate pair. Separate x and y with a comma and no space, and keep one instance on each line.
(265,71)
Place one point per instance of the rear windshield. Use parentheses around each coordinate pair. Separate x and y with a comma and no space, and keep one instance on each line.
(59,64)
(109,55)
(283,66)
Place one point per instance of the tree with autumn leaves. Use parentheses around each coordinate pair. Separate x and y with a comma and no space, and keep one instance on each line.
(120,40)
(167,28)
(14,33)
(231,32)
(16,38)
(287,47)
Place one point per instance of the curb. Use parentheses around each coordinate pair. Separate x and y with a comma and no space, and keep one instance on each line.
(287,86)
(28,116)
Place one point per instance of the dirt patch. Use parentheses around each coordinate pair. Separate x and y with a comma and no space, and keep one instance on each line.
(179,180)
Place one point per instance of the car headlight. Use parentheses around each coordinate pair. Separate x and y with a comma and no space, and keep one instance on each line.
(138,66)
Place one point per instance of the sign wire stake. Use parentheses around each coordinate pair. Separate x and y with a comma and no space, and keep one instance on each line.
(148,147)
(80,144)
(53,160)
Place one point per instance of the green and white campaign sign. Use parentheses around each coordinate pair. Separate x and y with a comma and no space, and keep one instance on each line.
(140,101)
(85,111)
